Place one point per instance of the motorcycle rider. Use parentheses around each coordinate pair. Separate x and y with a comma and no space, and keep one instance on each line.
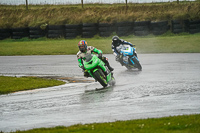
(116,42)
(84,49)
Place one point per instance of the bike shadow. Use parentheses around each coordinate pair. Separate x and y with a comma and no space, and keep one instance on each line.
(100,90)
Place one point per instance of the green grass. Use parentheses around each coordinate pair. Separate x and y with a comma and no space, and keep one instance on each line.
(168,43)
(175,124)
(17,16)
(14,84)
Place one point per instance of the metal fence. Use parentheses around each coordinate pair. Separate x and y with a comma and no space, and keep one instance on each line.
(60,2)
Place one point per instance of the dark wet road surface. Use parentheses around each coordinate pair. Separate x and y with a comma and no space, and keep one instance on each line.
(169,84)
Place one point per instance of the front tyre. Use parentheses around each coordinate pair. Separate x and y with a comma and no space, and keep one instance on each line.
(100,77)
(137,64)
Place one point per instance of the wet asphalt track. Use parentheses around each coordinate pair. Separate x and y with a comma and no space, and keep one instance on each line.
(169,84)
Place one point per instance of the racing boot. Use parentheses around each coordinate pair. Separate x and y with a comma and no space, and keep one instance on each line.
(121,60)
(109,67)
(86,74)
(107,64)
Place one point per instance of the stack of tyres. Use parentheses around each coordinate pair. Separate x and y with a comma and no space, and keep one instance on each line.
(89,30)
(55,31)
(124,28)
(5,33)
(105,29)
(141,28)
(72,30)
(194,26)
(177,26)
(18,33)
(36,32)
(158,28)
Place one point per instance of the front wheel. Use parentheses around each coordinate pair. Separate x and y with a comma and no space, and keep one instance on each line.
(137,64)
(100,77)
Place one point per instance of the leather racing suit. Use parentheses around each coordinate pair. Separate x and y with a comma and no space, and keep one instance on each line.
(91,49)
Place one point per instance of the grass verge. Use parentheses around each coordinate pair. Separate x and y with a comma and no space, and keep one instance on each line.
(167,43)
(37,15)
(173,124)
(13,84)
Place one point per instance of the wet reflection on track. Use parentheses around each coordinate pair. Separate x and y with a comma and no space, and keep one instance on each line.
(168,85)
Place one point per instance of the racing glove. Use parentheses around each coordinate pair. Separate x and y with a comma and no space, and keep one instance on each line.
(82,67)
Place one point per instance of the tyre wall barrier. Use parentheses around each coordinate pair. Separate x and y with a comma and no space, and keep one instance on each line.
(159,28)
(194,26)
(36,32)
(124,28)
(178,26)
(55,31)
(72,31)
(88,30)
(105,29)
(141,28)
(18,33)
(5,33)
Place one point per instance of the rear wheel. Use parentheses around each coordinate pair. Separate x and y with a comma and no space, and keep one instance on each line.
(128,67)
(100,77)
(112,81)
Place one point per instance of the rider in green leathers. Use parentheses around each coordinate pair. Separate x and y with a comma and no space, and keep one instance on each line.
(84,49)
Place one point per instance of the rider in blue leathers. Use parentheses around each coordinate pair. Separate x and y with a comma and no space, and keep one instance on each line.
(116,42)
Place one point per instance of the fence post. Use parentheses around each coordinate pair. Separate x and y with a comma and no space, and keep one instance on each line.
(82,3)
(26,4)
(126,5)
(177,1)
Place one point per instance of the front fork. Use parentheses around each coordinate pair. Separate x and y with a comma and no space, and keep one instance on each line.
(100,66)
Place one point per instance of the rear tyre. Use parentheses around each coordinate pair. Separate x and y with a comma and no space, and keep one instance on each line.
(100,77)
(129,68)
(112,81)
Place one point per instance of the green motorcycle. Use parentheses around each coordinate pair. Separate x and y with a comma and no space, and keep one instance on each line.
(97,69)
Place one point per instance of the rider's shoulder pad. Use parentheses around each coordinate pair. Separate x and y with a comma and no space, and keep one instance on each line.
(79,52)
(91,48)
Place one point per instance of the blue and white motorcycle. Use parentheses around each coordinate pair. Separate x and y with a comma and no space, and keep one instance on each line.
(128,57)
